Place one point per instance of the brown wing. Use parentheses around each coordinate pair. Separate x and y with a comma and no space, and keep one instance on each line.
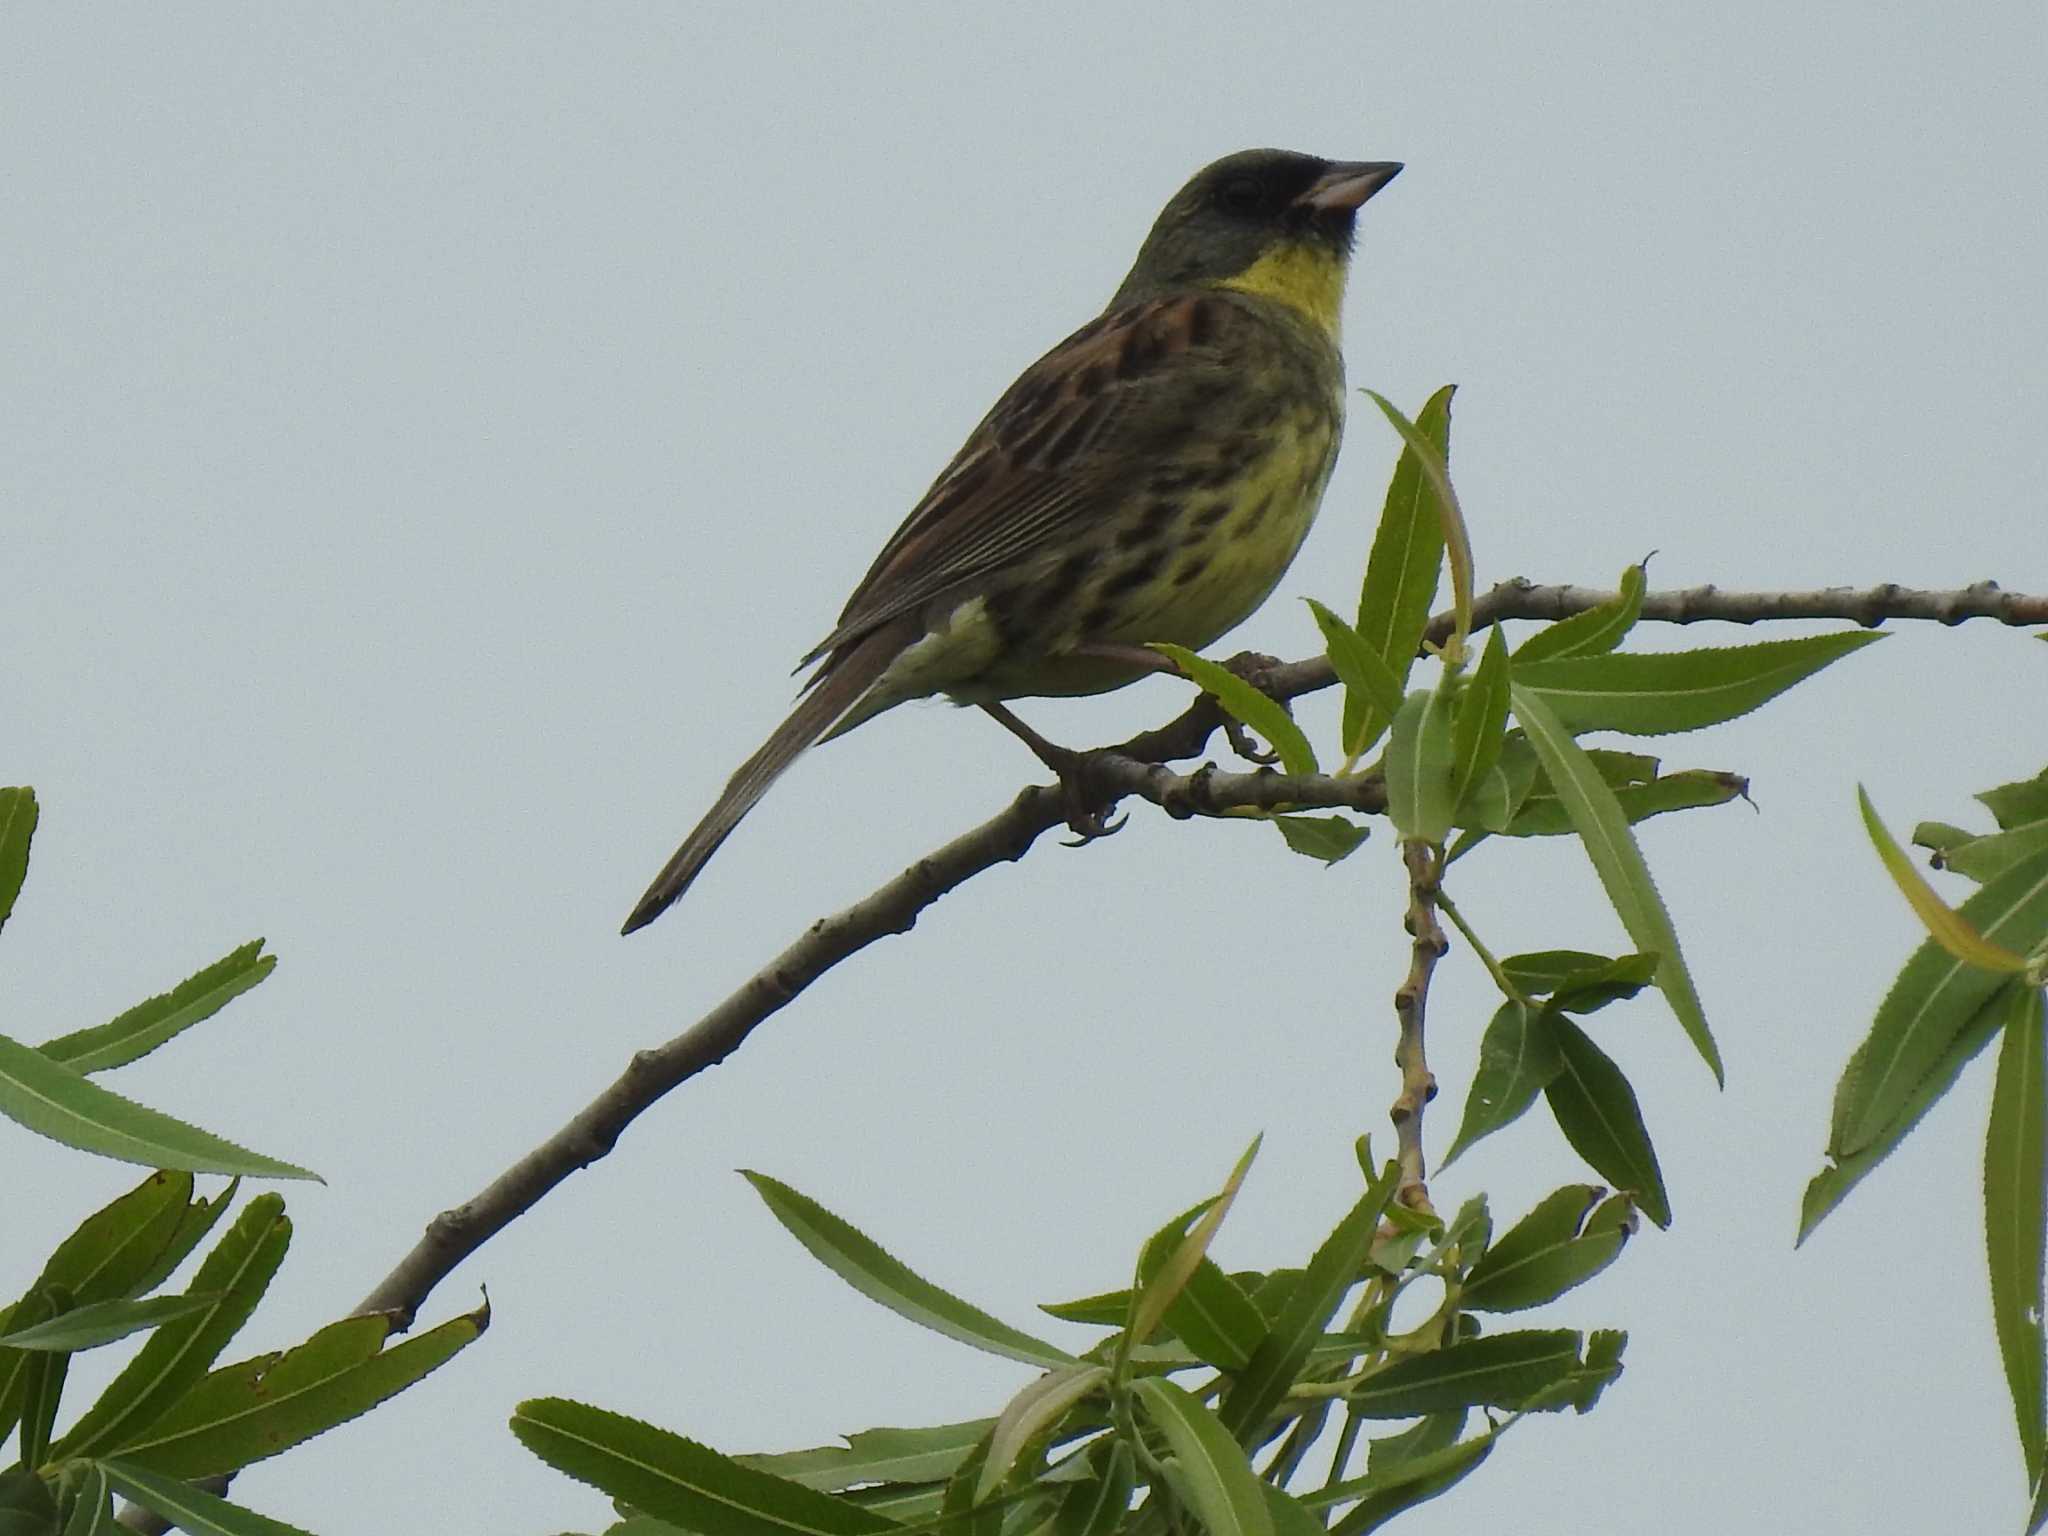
(1065,441)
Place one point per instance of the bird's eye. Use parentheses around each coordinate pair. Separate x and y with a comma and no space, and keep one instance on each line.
(1241,194)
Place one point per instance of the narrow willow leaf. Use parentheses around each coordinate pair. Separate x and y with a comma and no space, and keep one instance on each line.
(243,1414)
(1363,671)
(117,1250)
(1162,1279)
(1436,475)
(1828,1188)
(190,1509)
(17,1366)
(92,1504)
(1097,1507)
(103,1322)
(1482,723)
(18,813)
(1689,790)
(148,1025)
(1501,1370)
(1381,1495)
(1219,1482)
(1265,715)
(1947,929)
(1430,1434)
(1486,806)
(42,1388)
(1401,573)
(1289,1518)
(960,1514)
(1986,858)
(679,1480)
(2015,805)
(1545,1254)
(1933,998)
(1031,1413)
(1311,1300)
(54,1101)
(198,1219)
(1518,1057)
(1619,862)
(1329,838)
(1652,693)
(1418,766)
(927,1453)
(1594,632)
(862,1264)
(2015,1157)
(1597,1111)
(181,1352)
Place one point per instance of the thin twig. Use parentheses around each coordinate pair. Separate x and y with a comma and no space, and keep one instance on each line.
(1411,1005)
(1129,769)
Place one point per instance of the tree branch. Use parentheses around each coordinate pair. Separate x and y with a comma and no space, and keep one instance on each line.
(1132,769)
(1411,1005)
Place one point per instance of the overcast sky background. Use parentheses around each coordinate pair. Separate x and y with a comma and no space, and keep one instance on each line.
(432,432)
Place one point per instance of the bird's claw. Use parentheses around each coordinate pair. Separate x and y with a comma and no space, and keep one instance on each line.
(1242,742)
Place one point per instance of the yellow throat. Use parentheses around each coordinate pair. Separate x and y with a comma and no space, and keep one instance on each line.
(1300,276)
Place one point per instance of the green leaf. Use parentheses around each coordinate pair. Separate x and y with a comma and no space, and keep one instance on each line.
(1363,671)
(54,1101)
(1543,971)
(198,1219)
(1594,632)
(1428,1435)
(18,814)
(92,1504)
(1651,693)
(1401,574)
(862,1264)
(1502,1370)
(679,1480)
(27,1507)
(190,1509)
(1097,1506)
(927,1453)
(181,1351)
(42,1388)
(2015,805)
(1410,1483)
(1418,766)
(1482,724)
(1828,1188)
(1596,1109)
(1032,1413)
(1689,790)
(1311,1300)
(1619,863)
(1216,1478)
(19,1366)
(1518,1057)
(244,1413)
(148,1025)
(2015,1154)
(103,1322)
(1603,1367)
(1329,838)
(1436,476)
(1610,981)
(118,1250)
(1265,715)
(1172,1259)
(1934,996)
(1544,1254)
(1986,858)
(1943,924)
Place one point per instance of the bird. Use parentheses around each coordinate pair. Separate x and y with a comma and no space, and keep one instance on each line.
(1147,480)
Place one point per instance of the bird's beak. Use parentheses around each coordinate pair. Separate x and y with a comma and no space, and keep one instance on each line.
(1347,184)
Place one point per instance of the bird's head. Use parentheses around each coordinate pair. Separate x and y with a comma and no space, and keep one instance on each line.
(1263,221)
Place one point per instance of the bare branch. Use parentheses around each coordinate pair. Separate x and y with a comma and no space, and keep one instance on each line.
(1132,769)
(1411,1006)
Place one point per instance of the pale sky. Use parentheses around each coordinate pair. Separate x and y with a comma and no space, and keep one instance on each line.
(433,432)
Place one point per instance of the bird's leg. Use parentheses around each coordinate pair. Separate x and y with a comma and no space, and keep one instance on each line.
(1088,818)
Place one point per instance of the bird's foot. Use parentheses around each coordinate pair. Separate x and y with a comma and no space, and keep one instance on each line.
(1256,668)
(1087,806)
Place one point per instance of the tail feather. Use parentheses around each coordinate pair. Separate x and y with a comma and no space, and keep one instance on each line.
(837,689)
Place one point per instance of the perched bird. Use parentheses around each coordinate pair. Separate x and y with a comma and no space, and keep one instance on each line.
(1149,479)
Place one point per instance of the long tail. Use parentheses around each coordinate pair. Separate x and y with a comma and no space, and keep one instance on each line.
(837,689)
